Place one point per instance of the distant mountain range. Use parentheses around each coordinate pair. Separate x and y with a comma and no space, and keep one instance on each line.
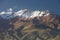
(21,25)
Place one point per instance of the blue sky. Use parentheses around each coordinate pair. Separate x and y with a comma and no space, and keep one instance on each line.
(51,5)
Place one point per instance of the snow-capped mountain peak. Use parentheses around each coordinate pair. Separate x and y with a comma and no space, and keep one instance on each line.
(6,14)
(35,14)
(20,12)
(10,9)
(25,13)
(40,13)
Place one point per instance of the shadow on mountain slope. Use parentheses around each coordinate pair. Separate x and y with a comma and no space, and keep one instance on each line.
(28,30)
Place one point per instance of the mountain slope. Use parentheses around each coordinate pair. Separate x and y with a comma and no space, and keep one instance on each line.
(29,25)
(23,13)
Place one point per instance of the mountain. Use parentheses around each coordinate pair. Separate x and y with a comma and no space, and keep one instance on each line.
(23,13)
(29,25)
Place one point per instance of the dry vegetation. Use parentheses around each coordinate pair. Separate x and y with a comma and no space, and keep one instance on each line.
(34,29)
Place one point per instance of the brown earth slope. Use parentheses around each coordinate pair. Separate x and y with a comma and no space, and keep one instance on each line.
(38,28)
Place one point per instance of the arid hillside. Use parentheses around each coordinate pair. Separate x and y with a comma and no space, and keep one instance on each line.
(35,28)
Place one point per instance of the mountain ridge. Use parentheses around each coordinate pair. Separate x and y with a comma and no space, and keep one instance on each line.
(40,24)
(23,13)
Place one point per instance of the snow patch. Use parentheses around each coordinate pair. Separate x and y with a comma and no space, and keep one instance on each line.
(23,13)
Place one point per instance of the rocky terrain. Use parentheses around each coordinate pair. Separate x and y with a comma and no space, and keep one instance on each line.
(29,25)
